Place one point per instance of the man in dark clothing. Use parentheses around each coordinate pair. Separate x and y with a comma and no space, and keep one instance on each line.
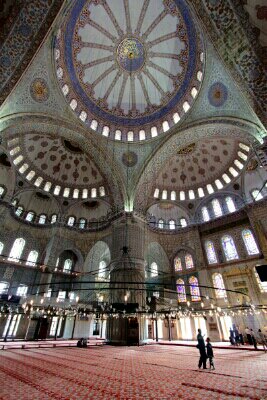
(202,350)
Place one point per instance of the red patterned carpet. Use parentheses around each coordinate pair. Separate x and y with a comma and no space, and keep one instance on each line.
(148,372)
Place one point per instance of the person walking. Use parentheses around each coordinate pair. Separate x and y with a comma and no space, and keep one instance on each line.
(254,341)
(262,340)
(210,353)
(202,350)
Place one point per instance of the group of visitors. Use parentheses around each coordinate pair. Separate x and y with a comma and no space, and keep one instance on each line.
(82,343)
(253,340)
(205,351)
(236,338)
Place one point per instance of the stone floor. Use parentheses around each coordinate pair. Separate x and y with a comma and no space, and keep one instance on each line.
(152,372)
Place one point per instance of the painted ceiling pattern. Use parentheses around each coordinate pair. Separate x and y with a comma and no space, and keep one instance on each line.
(121,64)
(209,159)
(27,26)
(58,162)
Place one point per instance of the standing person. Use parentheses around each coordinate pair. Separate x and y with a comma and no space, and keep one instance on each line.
(210,353)
(236,335)
(253,339)
(247,332)
(232,337)
(202,350)
(262,338)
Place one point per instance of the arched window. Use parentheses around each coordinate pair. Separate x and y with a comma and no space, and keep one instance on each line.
(205,214)
(32,258)
(71,221)
(218,284)
(217,209)
(161,223)
(154,269)
(19,211)
(178,264)
(82,223)
(173,195)
(256,194)
(30,216)
(250,242)
(1,247)
(2,191)
(17,250)
(189,263)
(53,218)
(42,219)
(210,251)
(230,204)
(183,222)
(229,248)
(172,224)
(181,291)
(67,265)
(194,288)
(102,269)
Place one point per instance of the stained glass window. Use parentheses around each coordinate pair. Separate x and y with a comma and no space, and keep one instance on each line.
(194,289)
(217,209)
(229,248)
(172,224)
(29,216)
(189,263)
(71,221)
(183,222)
(154,269)
(17,250)
(181,291)
(67,265)
(205,214)
(249,241)
(256,194)
(178,264)
(42,219)
(210,251)
(32,258)
(102,269)
(230,204)
(218,284)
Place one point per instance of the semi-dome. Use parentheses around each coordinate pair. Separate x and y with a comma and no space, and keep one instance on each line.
(131,70)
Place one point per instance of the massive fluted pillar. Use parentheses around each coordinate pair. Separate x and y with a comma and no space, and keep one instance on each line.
(127,289)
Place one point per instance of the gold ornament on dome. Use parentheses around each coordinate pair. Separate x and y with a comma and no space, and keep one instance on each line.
(252,165)
(187,150)
(39,90)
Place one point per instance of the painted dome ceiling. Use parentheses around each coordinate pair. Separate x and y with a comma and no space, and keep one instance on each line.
(126,67)
(208,165)
(51,162)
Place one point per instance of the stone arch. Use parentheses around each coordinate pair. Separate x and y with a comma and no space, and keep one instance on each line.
(57,246)
(155,253)
(99,252)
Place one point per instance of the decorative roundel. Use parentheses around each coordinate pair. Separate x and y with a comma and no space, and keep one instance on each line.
(39,90)
(129,70)
(129,159)
(218,94)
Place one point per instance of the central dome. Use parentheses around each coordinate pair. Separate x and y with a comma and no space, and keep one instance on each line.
(129,65)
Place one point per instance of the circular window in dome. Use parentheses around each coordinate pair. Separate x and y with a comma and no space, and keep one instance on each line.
(133,66)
